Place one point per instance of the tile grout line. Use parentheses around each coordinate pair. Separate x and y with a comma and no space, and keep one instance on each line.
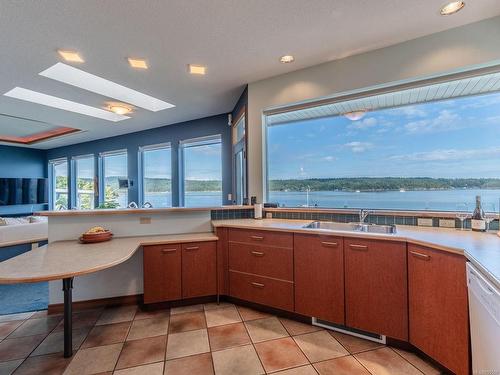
(406,360)
(251,341)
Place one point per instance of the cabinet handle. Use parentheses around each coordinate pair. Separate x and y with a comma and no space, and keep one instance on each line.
(257,238)
(420,255)
(258,253)
(329,244)
(258,285)
(166,251)
(358,247)
(192,248)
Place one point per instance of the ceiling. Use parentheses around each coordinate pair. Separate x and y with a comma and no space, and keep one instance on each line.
(240,41)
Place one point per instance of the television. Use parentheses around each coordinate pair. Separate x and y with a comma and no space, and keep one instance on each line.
(16,191)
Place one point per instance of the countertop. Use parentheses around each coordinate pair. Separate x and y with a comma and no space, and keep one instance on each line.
(62,259)
(482,249)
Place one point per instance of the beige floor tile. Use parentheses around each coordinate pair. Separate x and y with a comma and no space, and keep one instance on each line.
(107,334)
(94,360)
(424,366)
(148,328)
(185,309)
(242,360)
(227,336)
(320,346)
(341,366)
(143,351)
(51,364)
(19,348)
(250,314)
(218,317)
(7,368)
(151,369)
(54,342)
(161,313)
(19,316)
(200,364)
(189,321)
(38,326)
(117,315)
(215,305)
(296,328)
(265,329)
(187,343)
(280,354)
(6,328)
(385,361)
(302,370)
(82,319)
(354,344)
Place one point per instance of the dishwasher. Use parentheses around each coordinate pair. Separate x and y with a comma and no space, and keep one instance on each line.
(484,315)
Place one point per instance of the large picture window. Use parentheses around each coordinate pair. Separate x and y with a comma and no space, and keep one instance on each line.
(156,165)
(58,170)
(84,184)
(114,179)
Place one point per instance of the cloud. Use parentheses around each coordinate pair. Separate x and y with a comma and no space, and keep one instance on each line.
(366,123)
(358,147)
(445,121)
(329,158)
(409,111)
(449,154)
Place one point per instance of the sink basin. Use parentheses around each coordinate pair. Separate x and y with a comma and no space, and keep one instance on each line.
(352,227)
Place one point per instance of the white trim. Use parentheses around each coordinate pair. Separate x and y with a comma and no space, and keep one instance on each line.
(382,340)
(159,146)
(113,153)
(201,141)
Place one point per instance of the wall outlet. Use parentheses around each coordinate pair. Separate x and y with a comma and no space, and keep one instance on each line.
(447,223)
(145,220)
(424,222)
(230,197)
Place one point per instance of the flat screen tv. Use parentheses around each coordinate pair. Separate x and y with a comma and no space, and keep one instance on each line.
(14,191)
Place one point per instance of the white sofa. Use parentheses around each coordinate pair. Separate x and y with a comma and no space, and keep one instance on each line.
(23,230)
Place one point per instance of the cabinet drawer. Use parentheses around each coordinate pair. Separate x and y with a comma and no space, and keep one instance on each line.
(262,237)
(263,290)
(274,262)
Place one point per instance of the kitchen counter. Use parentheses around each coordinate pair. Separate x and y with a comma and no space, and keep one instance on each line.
(482,249)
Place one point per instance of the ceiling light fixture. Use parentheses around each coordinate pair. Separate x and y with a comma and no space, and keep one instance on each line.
(90,82)
(59,103)
(452,8)
(287,59)
(197,69)
(70,56)
(119,109)
(137,63)
(355,115)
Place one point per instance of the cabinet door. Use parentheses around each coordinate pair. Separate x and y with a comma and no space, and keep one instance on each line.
(439,326)
(319,277)
(199,269)
(162,273)
(376,287)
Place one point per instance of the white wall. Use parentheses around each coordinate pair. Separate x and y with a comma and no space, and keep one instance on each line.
(452,50)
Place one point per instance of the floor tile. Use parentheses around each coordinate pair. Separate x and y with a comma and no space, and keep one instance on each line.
(161,313)
(6,328)
(107,334)
(227,336)
(82,319)
(385,361)
(43,314)
(151,369)
(38,326)
(7,368)
(341,366)
(187,322)
(148,328)
(280,354)
(54,342)
(52,364)
(424,366)
(20,316)
(296,328)
(302,370)
(265,329)
(19,348)
(185,309)
(187,343)
(143,351)
(200,364)
(242,360)
(218,317)
(250,314)
(94,360)
(117,315)
(354,344)
(215,305)
(320,346)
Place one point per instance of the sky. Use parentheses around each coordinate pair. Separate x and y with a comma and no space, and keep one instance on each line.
(455,138)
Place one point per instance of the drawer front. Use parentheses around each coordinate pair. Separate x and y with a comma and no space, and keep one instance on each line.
(262,237)
(274,262)
(262,290)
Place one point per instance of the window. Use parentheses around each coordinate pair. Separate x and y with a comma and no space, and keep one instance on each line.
(201,159)
(239,160)
(114,179)
(58,171)
(400,150)
(84,184)
(156,165)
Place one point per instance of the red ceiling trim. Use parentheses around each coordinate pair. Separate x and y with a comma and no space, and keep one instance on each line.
(38,137)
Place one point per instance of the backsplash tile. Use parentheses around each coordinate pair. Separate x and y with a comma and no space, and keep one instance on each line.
(225,214)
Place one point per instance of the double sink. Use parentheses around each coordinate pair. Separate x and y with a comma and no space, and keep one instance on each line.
(352,227)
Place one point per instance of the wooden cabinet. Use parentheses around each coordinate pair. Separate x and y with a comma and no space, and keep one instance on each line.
(319,276)
(261,237)
(162,273)
(376,294)
(438,307)
(199,269)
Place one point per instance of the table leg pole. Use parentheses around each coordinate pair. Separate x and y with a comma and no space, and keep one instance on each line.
(68,333)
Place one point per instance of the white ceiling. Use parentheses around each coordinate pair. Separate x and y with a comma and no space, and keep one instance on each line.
(239,40)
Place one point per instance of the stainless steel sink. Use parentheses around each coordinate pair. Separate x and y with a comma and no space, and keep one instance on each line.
(352,227)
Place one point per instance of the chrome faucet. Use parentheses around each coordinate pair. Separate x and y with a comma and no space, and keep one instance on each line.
(363,214)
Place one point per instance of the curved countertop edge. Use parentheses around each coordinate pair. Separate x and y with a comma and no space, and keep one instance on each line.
(23,242)
(434,238)
(55,249)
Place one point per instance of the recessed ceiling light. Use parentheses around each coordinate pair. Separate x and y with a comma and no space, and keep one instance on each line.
(197,69)
(119,109)
(71,56)
(287,59)
(137,63)
(90,82)
(59,103)
(452,8)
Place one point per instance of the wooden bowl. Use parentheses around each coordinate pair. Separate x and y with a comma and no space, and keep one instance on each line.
(96,237)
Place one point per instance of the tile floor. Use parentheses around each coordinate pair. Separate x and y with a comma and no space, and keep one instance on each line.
(201,339)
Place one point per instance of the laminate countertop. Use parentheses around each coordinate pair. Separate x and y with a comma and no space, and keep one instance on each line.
(63,259)
(481,249)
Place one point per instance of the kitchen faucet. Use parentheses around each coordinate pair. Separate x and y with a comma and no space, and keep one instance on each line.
(363,214)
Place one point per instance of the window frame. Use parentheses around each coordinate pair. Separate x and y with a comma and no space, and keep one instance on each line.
(155,147)
(74,178)
(101,172)
(52,180)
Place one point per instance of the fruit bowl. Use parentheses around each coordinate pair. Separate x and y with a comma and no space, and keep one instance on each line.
(94,236)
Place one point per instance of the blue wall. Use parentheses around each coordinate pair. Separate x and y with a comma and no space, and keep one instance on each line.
(20,162)
(170,133)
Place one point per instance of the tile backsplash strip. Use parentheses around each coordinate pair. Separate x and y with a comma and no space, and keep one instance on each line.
(223,214)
